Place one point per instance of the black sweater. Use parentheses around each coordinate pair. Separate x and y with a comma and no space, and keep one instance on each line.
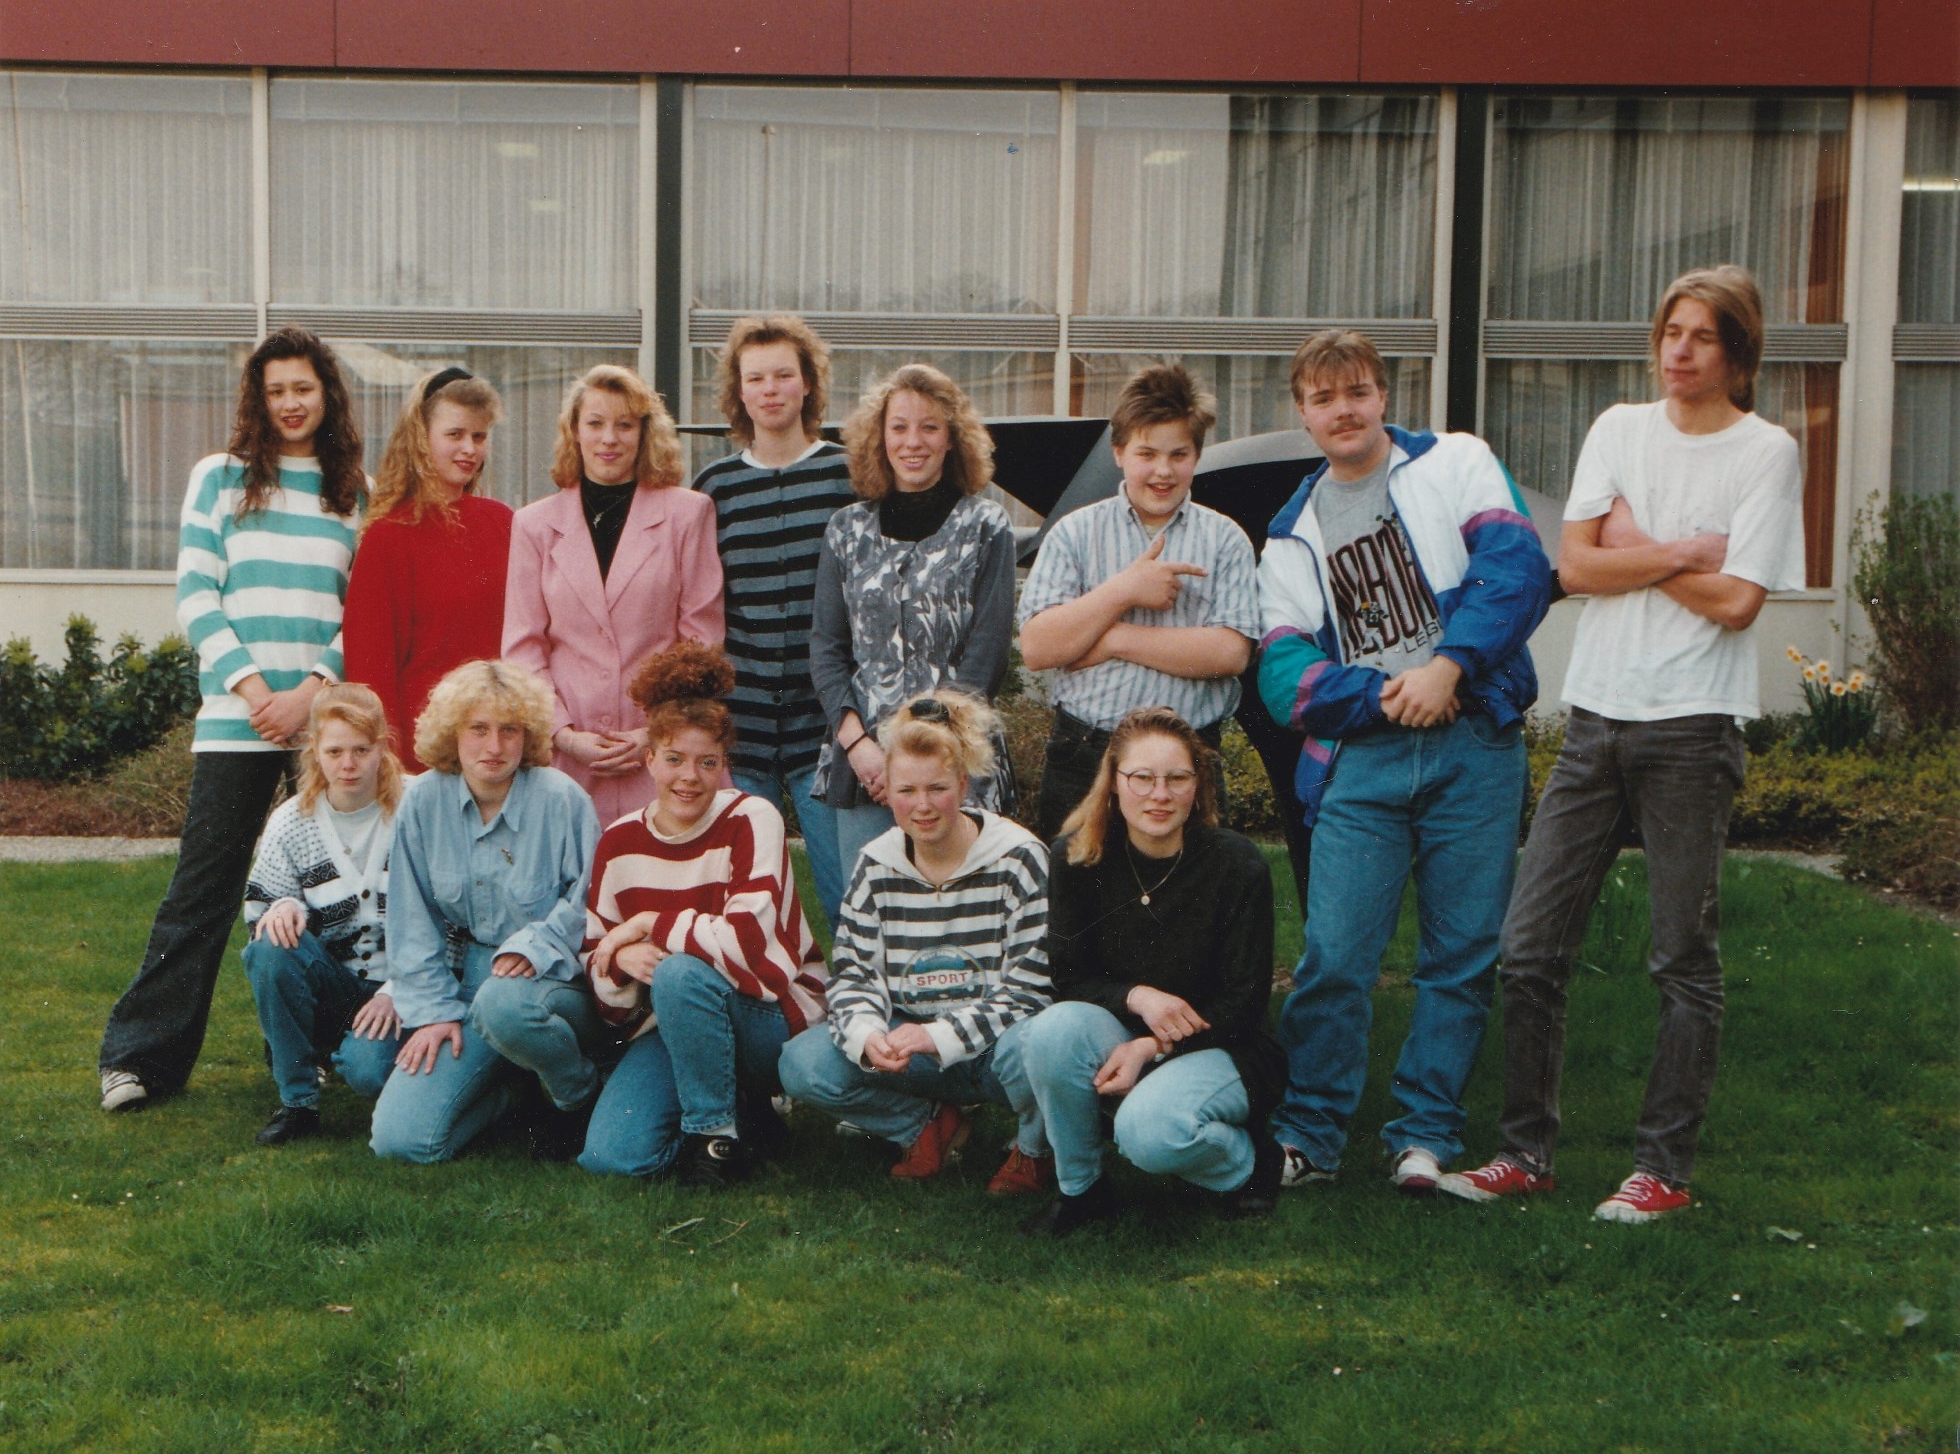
(1206,936)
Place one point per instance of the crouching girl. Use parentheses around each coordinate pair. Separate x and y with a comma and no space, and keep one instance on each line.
(938,952)
(1161,948)
(695,935)
(316,902)
(486,908)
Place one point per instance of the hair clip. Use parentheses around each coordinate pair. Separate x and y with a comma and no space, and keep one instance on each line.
(450,375)
(928,709)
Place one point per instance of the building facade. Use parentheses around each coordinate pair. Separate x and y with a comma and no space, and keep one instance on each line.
(1036,198)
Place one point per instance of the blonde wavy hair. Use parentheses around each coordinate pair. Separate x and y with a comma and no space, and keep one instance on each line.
(1730,293)
(361,709)
(514,693)
(969,460)
(956,726)
(1088,827)
(659,462)
(812,354)
(406,480)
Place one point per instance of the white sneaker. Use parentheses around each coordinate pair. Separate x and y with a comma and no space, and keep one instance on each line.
(1415,1172)
(123,1090)
(1296,1170)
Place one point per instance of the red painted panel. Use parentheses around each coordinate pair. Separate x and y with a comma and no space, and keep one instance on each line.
(1915,43)
(753,37)
(1654,43)
(1246,41)
(167,32)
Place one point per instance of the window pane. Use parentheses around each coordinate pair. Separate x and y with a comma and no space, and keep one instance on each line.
(1537,412)
(1597,203)
(92,474)
(875,201)
(1929,240)
(1255,395)
(1926,439)
(430,194)
(125,188)
(1256,206)
(532,380)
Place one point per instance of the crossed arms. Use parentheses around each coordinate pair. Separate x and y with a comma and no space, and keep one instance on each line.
(1609,555)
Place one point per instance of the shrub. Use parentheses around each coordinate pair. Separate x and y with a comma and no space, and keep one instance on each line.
(1907,575)
(58,725)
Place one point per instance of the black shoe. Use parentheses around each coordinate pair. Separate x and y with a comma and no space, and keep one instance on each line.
(1260,1194)
(711,1161)
(1066,1213)
(290,1123)
(763,1132)
(558,1135)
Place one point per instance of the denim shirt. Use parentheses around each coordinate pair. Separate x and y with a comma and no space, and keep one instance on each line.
(516,883)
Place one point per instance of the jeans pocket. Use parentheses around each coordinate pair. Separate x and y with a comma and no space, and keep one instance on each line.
(1488,734)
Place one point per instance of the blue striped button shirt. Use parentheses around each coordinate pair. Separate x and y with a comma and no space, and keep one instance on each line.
(770,527)
(1087,547)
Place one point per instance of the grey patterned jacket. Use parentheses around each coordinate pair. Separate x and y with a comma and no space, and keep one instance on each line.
(896,618)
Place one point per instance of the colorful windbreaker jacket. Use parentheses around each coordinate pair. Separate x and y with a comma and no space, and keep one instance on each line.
(1482,561)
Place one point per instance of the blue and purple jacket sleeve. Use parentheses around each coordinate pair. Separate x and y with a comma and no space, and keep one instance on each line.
(1507,584)
(1301,681)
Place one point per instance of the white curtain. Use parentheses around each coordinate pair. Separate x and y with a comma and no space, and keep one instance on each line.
(1926,433)
(125,188)
(874,201)
(438,194)
(1257,206)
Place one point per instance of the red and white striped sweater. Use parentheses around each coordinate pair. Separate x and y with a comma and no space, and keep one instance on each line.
(724,893)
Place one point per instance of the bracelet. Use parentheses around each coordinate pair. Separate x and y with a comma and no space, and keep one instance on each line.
(854,742)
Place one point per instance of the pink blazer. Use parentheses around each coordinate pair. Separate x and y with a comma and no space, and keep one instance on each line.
(586,637)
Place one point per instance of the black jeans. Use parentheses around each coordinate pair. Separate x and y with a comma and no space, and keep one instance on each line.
(157,1027)
(1075,751)
(1675,780)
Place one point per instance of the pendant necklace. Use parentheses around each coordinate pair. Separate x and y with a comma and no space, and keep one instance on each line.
(1129,855)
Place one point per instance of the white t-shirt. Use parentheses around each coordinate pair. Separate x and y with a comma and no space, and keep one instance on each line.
(1639,656)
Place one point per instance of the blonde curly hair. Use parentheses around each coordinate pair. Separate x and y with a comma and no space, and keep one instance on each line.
(406,479)
(512,692)
(969,460)
(659,461)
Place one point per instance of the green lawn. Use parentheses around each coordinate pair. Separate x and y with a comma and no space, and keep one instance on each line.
(166,1285)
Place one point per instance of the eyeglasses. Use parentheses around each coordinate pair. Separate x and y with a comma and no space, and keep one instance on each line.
(1143,782)
(928,709)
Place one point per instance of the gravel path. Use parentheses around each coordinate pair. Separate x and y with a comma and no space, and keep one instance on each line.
(82,850)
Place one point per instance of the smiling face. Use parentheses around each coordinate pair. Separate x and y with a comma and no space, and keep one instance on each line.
(459,443)
(773,388)
(1158,462)
(1345,417)
(608,437)
(1695,367)
(1155,815)
(350,761)
(926,791)
(295,403)
(490,750)
(917,438)
(686,767)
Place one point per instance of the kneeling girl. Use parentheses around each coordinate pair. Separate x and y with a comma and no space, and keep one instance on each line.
(938,950)
(694,934)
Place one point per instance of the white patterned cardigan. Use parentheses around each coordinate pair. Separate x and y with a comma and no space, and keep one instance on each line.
(300,857)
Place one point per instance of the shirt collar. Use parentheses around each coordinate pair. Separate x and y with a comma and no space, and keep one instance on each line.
(510,812)
(1130,509)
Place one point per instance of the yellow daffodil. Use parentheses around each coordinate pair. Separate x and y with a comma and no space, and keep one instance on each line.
(1810,672)
(1857,681)
(1838,689)
(1823,670)
(1794,654)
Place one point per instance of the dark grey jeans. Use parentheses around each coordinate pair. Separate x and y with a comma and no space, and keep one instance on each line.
(157,1027)
(1675,781)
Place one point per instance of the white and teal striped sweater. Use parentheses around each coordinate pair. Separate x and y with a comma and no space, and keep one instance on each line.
(262,594)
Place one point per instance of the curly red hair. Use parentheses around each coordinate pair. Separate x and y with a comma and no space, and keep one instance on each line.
(682,687)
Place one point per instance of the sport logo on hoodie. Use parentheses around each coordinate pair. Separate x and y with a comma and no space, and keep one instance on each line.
(932,978)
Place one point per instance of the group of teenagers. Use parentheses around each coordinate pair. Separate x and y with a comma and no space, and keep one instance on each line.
(536,862)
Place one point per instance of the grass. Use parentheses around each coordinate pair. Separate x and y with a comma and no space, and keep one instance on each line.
(166,1285)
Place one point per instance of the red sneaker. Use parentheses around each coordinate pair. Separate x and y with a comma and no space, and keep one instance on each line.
(1021,1174)
(1501,1178)
(1641,1198)
(944,1134)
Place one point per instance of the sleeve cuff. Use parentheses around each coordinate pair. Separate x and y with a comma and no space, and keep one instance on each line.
(946,1042)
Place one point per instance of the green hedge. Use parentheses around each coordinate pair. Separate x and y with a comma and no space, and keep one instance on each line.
(74,721)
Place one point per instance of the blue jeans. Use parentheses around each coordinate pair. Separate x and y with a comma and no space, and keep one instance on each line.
(893,1105)
(545,1026)
(855,828)
(306,1000)
(817,820)
(684,1076)
(1444,801)
(432,1115)
(1185,1118)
